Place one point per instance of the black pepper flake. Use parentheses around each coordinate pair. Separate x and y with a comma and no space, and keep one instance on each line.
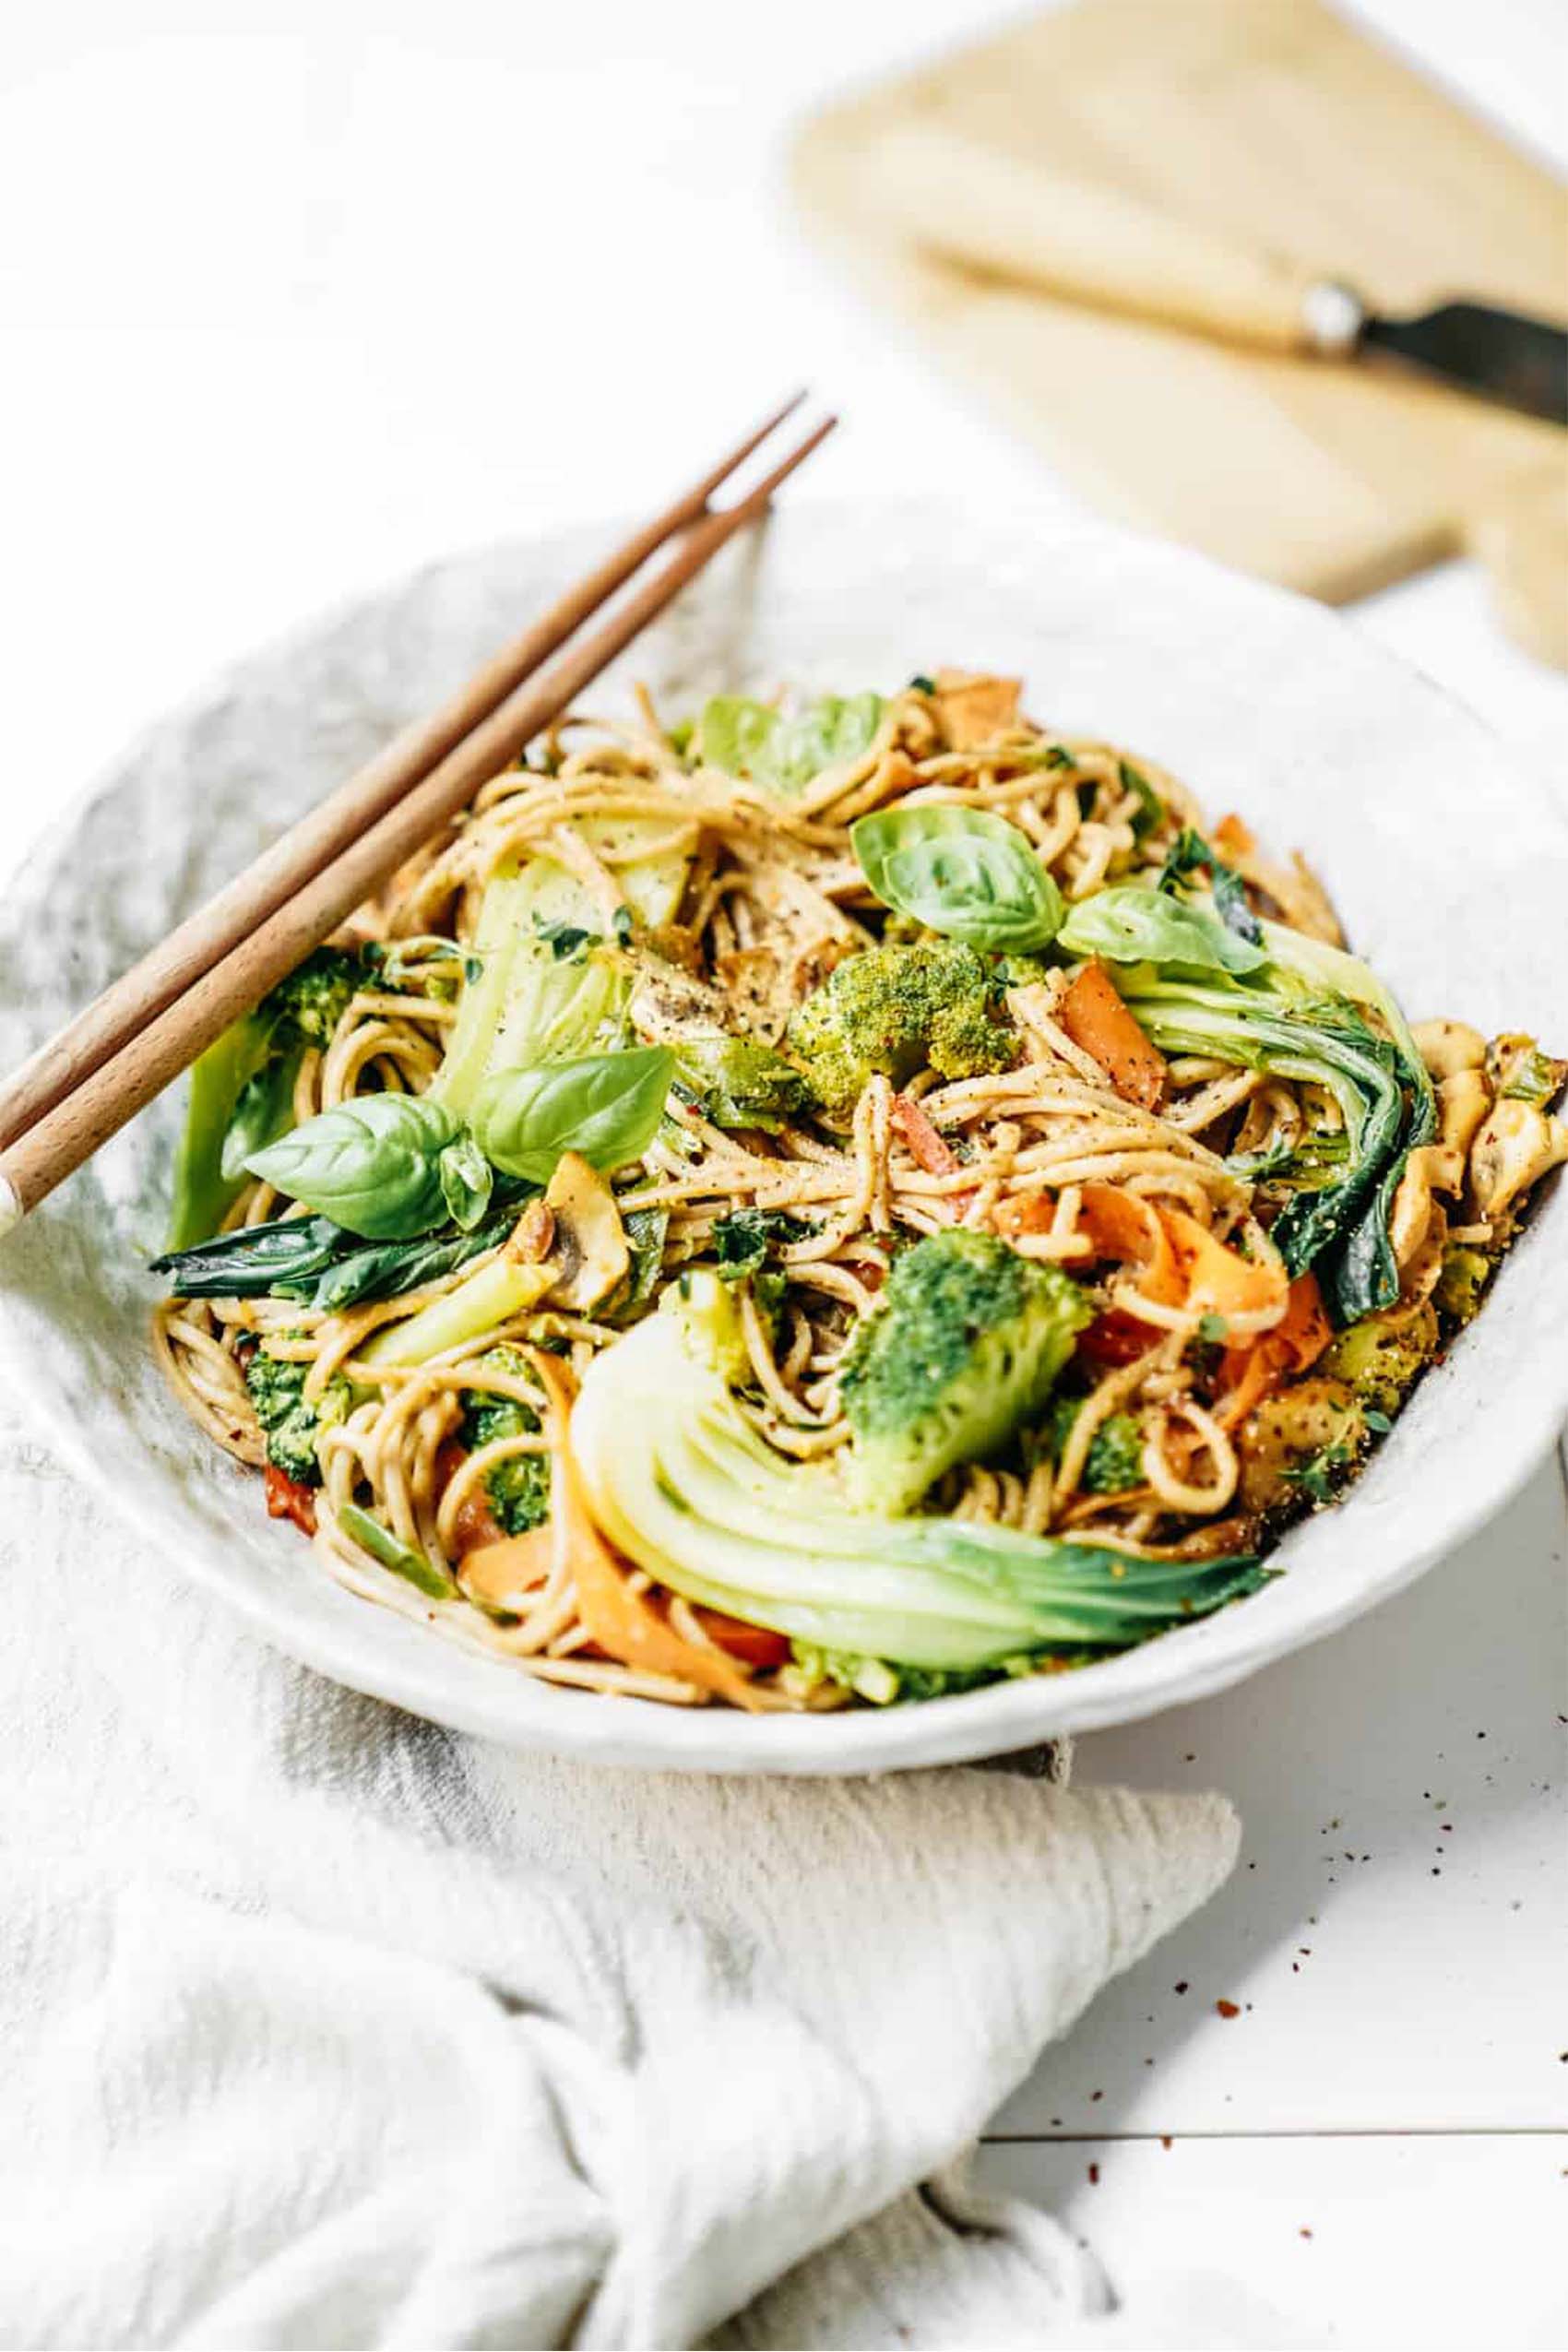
(1182,1986)
(1096,2095)
(1094,2175)
(1304,2233)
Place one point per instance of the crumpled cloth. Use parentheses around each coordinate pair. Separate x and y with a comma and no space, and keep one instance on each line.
(320,2026)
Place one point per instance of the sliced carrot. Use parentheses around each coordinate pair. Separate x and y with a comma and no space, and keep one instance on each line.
(929,1148)
(754,1646)
(1248,1374)
(1217,1280)
(622,1623)
(1126,1227)
(931,1151)
(1024,1213)
(1234,836)
(288,1499)
(1096,1020)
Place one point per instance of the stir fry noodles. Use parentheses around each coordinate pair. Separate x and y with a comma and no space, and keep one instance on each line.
(830,1202)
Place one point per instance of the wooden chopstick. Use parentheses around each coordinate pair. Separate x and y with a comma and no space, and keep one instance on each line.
(158,1048)
(209,934)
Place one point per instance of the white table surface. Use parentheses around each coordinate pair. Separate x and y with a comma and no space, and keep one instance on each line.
(293,299)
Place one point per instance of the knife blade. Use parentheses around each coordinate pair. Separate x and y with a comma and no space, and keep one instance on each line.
(1502,354)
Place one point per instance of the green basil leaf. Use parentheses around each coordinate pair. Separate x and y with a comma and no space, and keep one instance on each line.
(373,1164)
(962,872)
(751,739)
(261,1113)
(466,1179)
(1129,925)
(606,1107)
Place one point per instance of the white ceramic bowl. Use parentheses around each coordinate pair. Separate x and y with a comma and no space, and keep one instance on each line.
(1446,859)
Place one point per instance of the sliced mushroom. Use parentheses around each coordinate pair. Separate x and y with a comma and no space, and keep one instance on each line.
(1514,1148)
(1448,1047)
(1463,1101)
(1420,1272)
(588,1249)
(1432,1168)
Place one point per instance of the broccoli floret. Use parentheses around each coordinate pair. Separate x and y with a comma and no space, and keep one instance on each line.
(738,1083)
(895,1009)
(1115,1456)
(966,1343)
(292,1425)
(1382,1356)
(1462,1279)
(307,1006)
(518,1488)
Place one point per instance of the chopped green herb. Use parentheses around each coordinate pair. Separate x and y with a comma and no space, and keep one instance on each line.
(567,943)
(1151,808)
(742,1240)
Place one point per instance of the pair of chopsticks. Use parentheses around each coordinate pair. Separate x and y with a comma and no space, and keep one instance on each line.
(125,1048)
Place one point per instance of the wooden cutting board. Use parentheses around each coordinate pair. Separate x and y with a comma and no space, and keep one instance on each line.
(1276,121)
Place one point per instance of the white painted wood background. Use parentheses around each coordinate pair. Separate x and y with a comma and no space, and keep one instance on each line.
(293,299)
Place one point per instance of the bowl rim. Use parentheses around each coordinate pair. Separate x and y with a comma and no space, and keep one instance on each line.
(996,1719)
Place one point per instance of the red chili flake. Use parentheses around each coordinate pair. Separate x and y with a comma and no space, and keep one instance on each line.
(1094,2175)
(1165,2139)
(1227,2008)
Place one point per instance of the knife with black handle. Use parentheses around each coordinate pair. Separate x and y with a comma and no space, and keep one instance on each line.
(997,214)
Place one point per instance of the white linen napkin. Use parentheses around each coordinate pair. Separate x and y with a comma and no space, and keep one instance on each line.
(320,2026)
